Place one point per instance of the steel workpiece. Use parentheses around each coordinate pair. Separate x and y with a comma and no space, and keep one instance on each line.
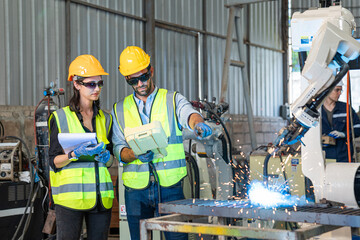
(310,213)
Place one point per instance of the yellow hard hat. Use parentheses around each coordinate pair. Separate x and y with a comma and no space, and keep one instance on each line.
(85,66)
(132,60)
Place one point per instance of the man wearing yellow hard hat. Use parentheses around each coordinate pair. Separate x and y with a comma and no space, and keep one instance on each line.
(145,177)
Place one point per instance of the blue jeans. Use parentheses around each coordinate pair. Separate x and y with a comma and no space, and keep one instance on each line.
(69,223)
(143,204)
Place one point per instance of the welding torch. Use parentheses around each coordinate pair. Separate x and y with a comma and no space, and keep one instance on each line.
(297,129)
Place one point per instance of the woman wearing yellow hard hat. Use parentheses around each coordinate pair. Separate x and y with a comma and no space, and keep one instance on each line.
(81,185)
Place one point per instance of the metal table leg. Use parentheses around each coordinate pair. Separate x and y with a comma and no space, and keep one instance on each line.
(179,223)
(145,233)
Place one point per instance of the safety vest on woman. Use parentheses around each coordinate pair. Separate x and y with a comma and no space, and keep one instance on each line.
(75,185)
(170,169)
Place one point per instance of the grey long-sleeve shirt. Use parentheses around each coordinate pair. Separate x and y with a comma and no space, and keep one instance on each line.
(183,111)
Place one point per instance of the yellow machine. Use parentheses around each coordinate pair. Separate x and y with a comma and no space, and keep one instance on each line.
(290,165)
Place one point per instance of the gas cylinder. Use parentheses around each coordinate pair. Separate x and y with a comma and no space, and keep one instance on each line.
(42,113)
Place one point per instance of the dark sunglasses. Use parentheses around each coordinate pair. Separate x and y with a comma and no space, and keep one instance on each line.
(92,85)
(143,78)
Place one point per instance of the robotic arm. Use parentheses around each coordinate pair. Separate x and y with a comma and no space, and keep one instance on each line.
(332,47)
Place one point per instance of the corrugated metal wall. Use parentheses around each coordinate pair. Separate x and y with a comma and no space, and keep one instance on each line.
(176,62)
(176,52)
(32,48)
(105,35)
(265,74)
(33,45)
(266,65)
(184,12)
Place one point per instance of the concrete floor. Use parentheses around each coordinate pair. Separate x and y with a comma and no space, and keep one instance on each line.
(113,237)
(114,234)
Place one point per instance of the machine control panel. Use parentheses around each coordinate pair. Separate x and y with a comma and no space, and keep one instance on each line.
(10,160)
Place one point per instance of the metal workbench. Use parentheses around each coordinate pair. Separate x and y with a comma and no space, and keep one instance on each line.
(183,211)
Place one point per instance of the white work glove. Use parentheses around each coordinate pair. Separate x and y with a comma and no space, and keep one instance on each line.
(336,134)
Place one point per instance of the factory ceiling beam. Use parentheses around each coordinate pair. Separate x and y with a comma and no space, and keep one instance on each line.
(284,40)
(205,61)
(240,3)
(149,29)
(68,87)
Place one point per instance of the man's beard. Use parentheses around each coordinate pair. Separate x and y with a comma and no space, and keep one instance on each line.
(144,92)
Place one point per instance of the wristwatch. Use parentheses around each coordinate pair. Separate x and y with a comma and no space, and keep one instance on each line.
(71,158)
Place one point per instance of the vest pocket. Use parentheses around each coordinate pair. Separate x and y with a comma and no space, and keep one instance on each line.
(71,176)
(129,175)
(71,184)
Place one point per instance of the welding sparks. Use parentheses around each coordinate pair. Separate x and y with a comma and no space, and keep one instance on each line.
(287,159)
(275,195)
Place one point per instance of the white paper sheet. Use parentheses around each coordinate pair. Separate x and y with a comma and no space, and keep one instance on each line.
(70,141)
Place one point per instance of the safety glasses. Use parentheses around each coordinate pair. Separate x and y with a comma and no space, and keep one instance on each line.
(92,85)
(143,78)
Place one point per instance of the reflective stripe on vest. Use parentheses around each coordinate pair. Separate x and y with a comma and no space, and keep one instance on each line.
(74,185)
(170,169)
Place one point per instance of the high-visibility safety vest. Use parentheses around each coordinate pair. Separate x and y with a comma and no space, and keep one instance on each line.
(76,185)
(170,169)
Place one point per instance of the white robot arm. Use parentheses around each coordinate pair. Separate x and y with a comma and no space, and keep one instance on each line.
(331,48)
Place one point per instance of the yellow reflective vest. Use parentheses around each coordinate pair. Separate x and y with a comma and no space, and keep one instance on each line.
(76,185)
(170,169)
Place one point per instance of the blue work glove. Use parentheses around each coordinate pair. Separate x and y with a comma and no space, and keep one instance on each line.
(336,134)
(202,130)
(146,157)
(103,157)
(88,149)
